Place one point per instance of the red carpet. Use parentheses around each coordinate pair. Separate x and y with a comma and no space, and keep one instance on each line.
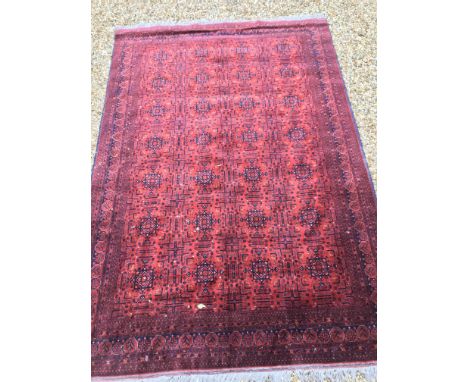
(233,217)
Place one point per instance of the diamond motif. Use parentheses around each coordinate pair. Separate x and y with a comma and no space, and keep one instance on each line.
(143,279)
(152,181)
(148,226)
(296,134)
(256,219)
(203,139)
(302,171)
(204,177)
(309,216)
(205,273)
(252,174)
(260,270)
(202,106)
(204,221)
(318,267)
(154,143)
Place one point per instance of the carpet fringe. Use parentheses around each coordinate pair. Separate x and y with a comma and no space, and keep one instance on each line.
(341,374)
(226,20)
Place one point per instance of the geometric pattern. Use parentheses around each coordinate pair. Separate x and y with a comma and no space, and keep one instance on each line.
(233,217)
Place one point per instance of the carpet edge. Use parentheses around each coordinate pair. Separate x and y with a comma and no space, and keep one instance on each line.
(318,373)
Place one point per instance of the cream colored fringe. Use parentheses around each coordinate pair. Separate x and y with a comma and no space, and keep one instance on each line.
(227,20)
(339,374)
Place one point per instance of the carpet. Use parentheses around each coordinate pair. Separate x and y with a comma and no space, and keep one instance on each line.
(233,216)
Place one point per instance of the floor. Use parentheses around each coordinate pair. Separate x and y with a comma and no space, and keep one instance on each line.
(354,28)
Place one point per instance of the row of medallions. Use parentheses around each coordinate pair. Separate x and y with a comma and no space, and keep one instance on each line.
(158,109)
(204,221)
(244,51)
(248,134)
(205,176)
(257,338)
(260,270)
(242,76)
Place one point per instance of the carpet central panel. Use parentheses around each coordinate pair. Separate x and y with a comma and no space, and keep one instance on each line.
(233,217)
